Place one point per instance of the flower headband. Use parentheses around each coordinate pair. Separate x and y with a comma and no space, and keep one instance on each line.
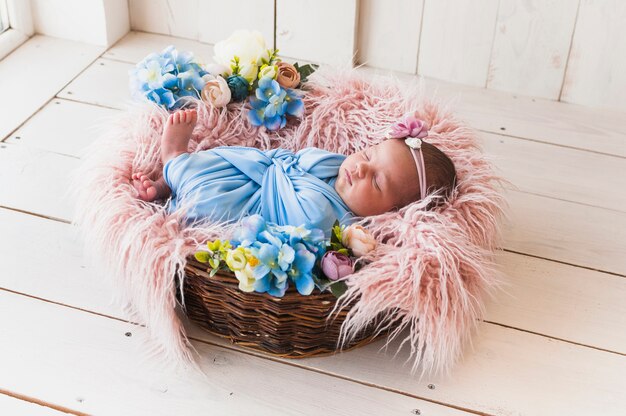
(413,131)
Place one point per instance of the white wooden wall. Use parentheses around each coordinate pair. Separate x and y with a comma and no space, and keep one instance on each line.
(569,50)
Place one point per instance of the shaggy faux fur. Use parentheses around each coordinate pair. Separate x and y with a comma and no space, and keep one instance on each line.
(430,273)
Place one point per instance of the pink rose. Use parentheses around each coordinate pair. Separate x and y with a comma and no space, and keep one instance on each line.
(336,265)
(409,127)
(358,239)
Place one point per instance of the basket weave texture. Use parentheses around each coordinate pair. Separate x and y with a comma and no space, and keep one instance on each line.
(294,326)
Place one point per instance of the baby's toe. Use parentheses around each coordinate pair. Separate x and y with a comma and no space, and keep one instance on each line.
(151,193)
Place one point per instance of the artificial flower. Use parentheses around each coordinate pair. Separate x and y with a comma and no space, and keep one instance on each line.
(248,46)
(246,278)
(301,269)
(288,76)
(271,104)
(268,71)
(218,70)
(336,265)
(236,259)
(166,77)
(358,239)
(238,87)
(249,72)
(216,92)
(408,127)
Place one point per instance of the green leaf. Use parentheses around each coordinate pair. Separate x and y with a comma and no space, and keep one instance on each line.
(213,272)
(214,263)
(343,251)
(202,256)
(338,288)
(306,70)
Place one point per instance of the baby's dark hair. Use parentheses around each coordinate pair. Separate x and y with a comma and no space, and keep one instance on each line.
(440,177)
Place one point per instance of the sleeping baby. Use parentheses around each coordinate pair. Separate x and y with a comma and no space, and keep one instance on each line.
(313,187)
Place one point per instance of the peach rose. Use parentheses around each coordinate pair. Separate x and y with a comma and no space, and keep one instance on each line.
(288,76)
(358,239)
(216,92)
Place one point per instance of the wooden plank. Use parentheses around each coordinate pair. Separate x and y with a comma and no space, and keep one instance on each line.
(460,55)
(394,23)
(22,79)
(215,19)
(596,73)
(88,87)
(79,345)
(16,407)
(530,118)
(507,373)
(559,172)
(531,46)
(298,33)
(178,18)
(45,259)
(35,180)
(572,233)
(562,301)
(64,127)
(137,45)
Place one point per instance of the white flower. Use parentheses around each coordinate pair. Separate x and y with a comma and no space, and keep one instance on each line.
(216,92)
(246,279)
(217,69)
(358,239)
(249,72)
(248,46)
(268,71)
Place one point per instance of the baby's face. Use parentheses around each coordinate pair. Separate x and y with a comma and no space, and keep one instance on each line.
(378,178)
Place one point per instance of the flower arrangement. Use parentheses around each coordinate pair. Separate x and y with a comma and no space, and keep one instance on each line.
(166,77)
(244,68)
(266,257)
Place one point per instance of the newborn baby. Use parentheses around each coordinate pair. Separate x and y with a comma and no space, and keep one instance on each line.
(312,186)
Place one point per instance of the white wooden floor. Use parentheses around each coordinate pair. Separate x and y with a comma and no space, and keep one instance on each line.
(554,345)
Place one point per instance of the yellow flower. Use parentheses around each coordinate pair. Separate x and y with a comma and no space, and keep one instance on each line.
(236,259)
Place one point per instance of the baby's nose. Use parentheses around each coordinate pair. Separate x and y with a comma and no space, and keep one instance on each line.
(361,169)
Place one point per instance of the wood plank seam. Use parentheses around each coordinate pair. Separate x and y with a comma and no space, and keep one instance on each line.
(562,262)
(34,214)
(493,43)
(556,338)
(569,52)
(43,403)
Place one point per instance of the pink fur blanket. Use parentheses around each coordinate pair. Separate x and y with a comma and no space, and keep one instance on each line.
(431,271)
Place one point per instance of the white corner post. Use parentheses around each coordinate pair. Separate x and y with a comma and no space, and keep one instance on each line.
(99,22)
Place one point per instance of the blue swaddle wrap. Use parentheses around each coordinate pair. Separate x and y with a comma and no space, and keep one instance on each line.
(285,188)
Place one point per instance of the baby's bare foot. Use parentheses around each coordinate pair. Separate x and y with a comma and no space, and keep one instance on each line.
(148,189)
(177,133)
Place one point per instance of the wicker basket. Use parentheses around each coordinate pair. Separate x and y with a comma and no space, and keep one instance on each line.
(293,326)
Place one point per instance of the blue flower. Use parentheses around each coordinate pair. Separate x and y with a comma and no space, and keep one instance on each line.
(295,106)
(167,77)
(271,104)
(247,232)
(238,87)
(301,269)
(272,269)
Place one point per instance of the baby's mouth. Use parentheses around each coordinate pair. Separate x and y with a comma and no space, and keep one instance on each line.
(349,177)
